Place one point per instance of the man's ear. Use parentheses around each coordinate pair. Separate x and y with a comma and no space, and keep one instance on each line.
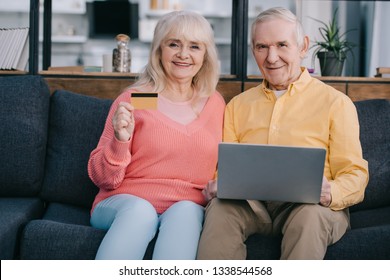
(305,47)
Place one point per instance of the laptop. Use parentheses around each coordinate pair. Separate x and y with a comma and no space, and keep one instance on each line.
(270,173)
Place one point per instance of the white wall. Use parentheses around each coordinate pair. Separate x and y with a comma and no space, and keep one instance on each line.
(379,55)
(306,11)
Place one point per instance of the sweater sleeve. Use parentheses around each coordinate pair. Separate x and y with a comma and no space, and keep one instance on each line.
(109,160)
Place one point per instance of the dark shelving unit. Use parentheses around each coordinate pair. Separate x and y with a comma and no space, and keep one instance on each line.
(238,49)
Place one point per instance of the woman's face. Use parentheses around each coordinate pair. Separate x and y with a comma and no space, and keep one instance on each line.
(182,59)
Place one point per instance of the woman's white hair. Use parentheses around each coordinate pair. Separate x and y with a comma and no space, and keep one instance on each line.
(190,26)
(279,13)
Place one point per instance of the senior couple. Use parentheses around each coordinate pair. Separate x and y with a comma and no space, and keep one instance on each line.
(156,169)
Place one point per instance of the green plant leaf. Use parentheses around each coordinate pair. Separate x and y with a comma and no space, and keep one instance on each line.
(332,40)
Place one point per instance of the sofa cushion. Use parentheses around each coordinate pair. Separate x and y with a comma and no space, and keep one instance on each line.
(49,240)
(24,110)
(15,213)
(75,126)
(374,119)
(72,242)
(67,213)
(371,243)
(363,243)
(262,247)
(371,217)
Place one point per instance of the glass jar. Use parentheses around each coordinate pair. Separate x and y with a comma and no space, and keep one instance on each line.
(121,55)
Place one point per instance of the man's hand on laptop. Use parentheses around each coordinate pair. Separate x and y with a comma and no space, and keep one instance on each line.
(210,191)
(326,196)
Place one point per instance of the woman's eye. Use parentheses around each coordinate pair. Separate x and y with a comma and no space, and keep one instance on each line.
(196,47)
(173,45)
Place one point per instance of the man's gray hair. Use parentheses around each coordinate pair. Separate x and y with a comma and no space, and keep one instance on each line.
(279,13)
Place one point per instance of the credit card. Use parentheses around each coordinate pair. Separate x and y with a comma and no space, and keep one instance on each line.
(144,100)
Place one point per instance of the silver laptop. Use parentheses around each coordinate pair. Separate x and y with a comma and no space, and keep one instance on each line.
(272,173)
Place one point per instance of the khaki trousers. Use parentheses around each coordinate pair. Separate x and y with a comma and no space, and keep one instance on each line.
(307,229)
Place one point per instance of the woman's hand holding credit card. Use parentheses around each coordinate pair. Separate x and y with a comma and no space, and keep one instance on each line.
(123,121)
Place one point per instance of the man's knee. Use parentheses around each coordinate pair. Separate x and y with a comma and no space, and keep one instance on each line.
(319,220)
(222,208)
(225,230)
(311,215)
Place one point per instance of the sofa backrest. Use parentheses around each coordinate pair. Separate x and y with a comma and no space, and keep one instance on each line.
(24,110)
(374,119)
(75,126)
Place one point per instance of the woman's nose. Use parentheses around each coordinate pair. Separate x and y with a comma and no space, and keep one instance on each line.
(183,53)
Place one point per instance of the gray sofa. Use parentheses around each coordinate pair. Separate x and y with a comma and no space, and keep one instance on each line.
(46,195)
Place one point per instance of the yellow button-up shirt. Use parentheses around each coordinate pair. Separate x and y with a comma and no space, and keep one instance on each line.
(310,114)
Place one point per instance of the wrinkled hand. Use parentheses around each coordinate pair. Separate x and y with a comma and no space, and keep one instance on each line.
(326,196)
(123,121)
(210,191)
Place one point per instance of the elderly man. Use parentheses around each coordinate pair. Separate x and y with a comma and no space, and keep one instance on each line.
(288,108)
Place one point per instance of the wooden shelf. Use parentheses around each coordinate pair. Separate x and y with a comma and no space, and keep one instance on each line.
(74,72)
(109,85)
(13,72)
(357,88)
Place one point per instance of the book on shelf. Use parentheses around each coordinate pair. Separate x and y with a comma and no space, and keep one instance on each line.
(14,48)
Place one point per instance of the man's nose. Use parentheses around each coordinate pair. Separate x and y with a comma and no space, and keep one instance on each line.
(273,55)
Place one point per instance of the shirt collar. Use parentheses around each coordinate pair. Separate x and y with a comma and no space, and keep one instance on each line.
(293,88)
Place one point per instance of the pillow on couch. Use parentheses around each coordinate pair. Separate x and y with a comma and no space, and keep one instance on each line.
(374,120)
(24,110)
(75,126)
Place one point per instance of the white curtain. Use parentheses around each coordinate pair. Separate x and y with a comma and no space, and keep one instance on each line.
(379,54)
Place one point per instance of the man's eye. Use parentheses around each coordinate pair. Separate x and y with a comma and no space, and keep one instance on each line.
(282,45)
(260,47)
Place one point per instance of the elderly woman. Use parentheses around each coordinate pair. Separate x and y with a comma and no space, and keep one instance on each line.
(151,165)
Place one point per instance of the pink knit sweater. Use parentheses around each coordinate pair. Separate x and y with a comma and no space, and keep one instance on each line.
(164,162)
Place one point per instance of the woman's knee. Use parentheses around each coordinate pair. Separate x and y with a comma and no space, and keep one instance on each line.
(184,212)
(139,209)
(136,204)
(188,207)
(123,206)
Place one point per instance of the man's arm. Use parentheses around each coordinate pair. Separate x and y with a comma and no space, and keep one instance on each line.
(229,133)
(349,171)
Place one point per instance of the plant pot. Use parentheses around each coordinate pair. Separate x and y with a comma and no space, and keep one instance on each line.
(330,64)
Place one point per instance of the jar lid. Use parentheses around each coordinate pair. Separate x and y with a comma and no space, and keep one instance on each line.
(122,37)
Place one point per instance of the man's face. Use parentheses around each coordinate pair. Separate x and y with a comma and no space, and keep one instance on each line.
(277,53)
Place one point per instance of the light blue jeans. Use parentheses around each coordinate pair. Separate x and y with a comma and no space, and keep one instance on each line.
(132,222)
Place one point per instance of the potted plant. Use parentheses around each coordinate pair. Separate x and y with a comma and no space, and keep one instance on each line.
(333,49)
